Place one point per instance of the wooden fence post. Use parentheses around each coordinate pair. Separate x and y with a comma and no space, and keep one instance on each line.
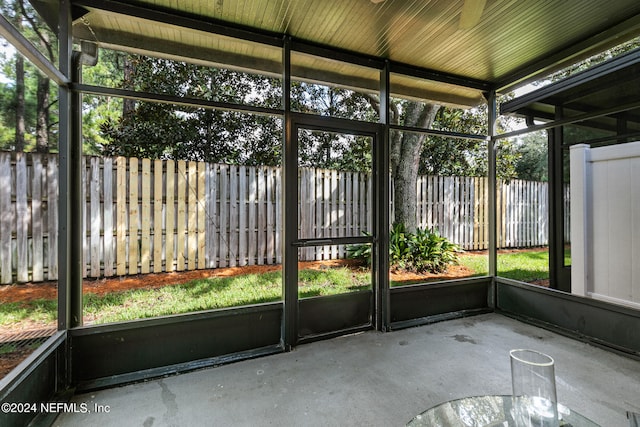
(6,222)
(121,216)
(133,216)
(170,214)
(37,231)
(158,226)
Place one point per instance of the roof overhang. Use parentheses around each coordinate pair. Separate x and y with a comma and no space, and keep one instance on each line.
(605,97)
(511,43)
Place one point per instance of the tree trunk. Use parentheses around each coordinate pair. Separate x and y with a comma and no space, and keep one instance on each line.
(405,151)
(20,122)
(405,177)
(128,105)
(20,88)
(42,91)
(42,119)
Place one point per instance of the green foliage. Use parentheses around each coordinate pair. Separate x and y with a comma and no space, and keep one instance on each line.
(447,156)
(455,156)
(532,164)
(431,252)
(423,251)
(172,131)
(596,59)
(37,104)
(360,252)
(399,246)
(151,130)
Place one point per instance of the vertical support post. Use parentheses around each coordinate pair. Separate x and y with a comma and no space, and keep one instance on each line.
(67,235)
(76,197)
(289,210)
(492,181)
(381,205)
(554,139)
(622,127)
(65,227)
(580,222)
(557,272)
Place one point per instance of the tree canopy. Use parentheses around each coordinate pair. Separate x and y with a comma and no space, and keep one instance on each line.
(28,116)
(132,133)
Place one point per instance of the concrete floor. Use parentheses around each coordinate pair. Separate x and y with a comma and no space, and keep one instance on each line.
(372,379)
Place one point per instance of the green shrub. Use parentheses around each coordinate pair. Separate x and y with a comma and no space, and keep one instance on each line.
(423,251)
(400,246)
(432,252)
(360,252)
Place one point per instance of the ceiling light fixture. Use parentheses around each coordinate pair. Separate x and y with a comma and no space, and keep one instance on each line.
(469,15)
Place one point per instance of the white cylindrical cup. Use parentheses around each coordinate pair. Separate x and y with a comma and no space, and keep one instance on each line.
(534,388)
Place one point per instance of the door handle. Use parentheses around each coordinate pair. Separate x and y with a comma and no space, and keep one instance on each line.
(311,242)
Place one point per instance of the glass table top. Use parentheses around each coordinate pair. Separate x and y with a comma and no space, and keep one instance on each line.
(494,411)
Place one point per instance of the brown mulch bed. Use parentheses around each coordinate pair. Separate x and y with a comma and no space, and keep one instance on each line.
(8,361)
(47,290)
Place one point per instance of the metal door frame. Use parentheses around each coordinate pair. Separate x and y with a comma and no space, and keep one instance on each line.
(291,242)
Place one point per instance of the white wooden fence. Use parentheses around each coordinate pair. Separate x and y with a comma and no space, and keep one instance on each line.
(606,227)
(190,215)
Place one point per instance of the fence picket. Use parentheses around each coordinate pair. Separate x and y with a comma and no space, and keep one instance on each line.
(252,217)
(52,217)
(22,218)
(121,216)
(108,248)
(192,212)
(158,226)
(233,216)
(169,227)
(278,219)
(133,216)
(319,201)
(326,226)
(304,222)
(201,227)
(223,213)
(95,216)
(145,212)
(334,207)
(6,225)
(262,216)
(37,232)
(270,228)
(86,210)
(181,215)
(242,216)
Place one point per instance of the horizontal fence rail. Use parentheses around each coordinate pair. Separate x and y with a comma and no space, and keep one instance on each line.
(150,216)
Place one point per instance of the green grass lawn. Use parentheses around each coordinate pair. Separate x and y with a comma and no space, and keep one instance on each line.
(197,295)
(41,311)
(217,292)
(524,266)
(220,292)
